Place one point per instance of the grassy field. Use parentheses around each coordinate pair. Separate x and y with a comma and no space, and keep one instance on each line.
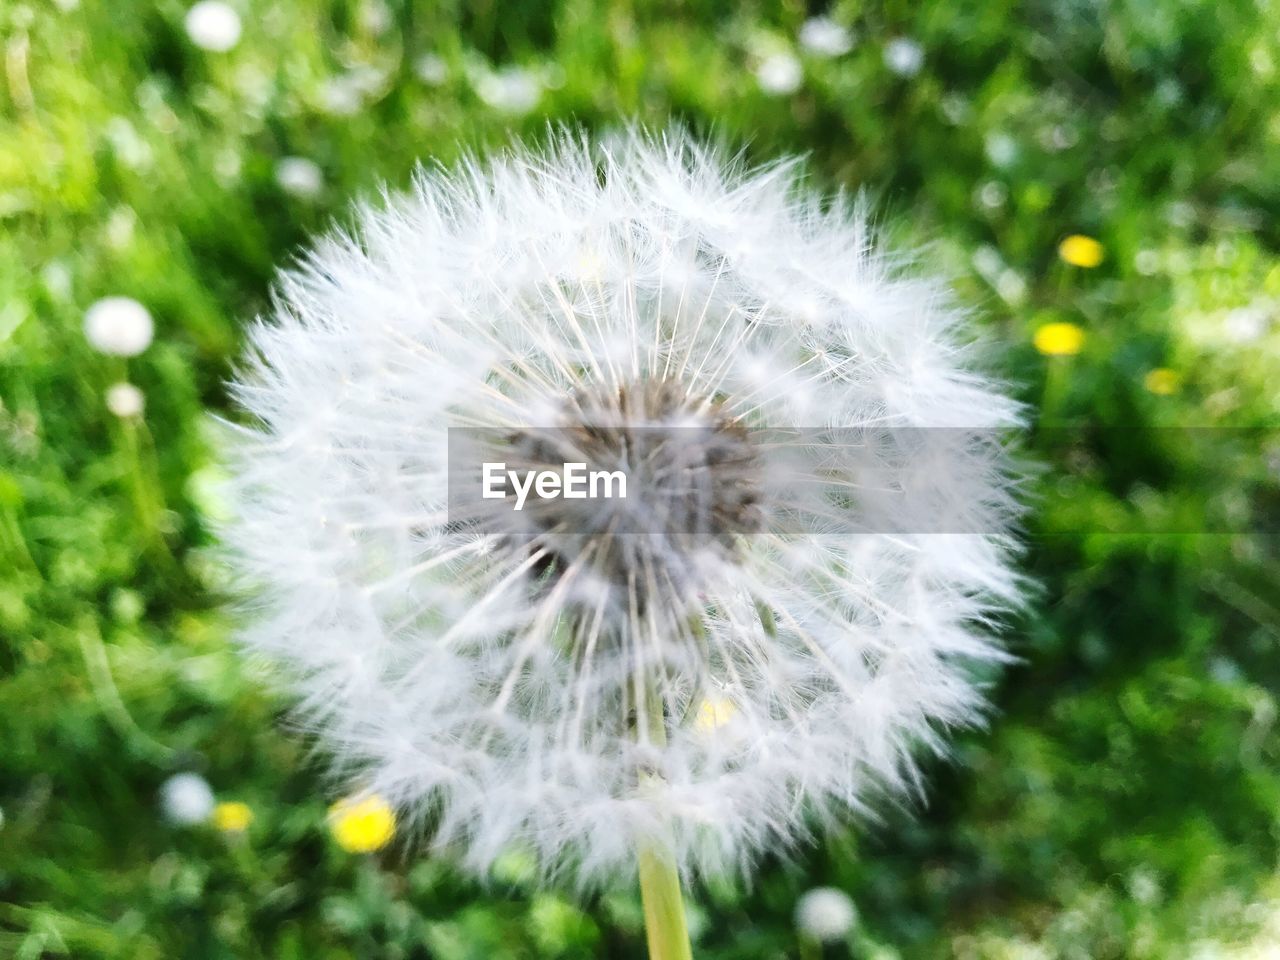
(1125,801)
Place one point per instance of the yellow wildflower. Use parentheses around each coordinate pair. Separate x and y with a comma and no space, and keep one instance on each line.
(1081,251)
(232,816)
(715,712)
(362,824)
(1162,381)
(1059,339)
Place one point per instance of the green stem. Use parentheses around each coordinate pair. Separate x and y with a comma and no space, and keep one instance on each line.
(810,949)
(664,921)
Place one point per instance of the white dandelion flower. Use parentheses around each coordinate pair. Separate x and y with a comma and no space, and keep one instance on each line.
(299,176)
(904,56)
(213,26)
(779,74)
(125,400)
(119,326)
(826,914)
(186,799)
(699,667)
(823,37)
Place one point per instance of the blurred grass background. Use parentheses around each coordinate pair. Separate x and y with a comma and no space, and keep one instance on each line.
(1125,803)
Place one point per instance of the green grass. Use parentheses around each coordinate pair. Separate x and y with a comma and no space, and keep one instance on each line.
(1125,801)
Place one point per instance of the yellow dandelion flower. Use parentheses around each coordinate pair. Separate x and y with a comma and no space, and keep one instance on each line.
(1059,339)
(362,824)
(590,265)
(1081,251)
(1162,381)
(232,816)
(715,712)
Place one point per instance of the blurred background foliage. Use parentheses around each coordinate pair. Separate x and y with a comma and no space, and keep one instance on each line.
(1126,800)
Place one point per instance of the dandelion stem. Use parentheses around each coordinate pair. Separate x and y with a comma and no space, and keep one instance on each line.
(664,920)
(665,927)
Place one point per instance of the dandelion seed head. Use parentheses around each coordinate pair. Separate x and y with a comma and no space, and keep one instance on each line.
(213,26)
(119,326)
(823,37)
(186,799)
(300,176)
(826,914)
(673,667)
(904,56)
(780,74)
(125,400)
(695,469)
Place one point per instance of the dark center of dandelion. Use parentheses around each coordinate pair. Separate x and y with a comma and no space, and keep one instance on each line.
(691,485)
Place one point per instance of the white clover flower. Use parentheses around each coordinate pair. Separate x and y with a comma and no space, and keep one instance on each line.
(904,56)
(701,665)
(823,37)
(213,26)
(299,176)
(779,74)
(125,400)
(186,799)
(510,89)
(826,914)
(120,326)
